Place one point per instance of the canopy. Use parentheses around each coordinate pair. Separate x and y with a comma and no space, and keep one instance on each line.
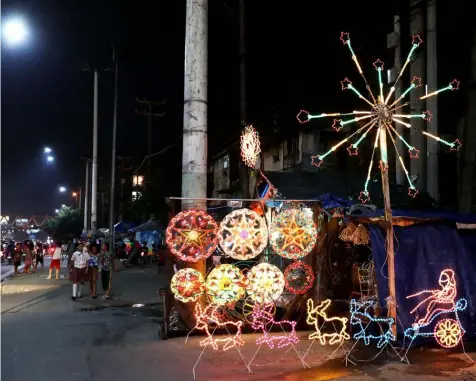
(150,225)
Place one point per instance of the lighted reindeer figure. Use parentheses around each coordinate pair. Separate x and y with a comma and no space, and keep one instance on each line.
(359,312)
(262,317)
(339,323)
(210,315)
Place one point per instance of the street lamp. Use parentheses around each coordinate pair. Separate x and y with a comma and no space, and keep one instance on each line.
(62,189)
(56,211)
(15,31)
(47,150)
(75,194)
(63,206)
(50,159)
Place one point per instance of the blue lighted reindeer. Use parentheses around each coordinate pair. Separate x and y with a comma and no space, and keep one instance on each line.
(359,312)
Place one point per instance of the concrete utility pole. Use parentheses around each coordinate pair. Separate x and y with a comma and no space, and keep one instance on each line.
(123,168)
(244,173)
(432,102)
(86,198)
(94,174)
(194,156)
(149,114)
(400,175)
(112,190)
(417,69)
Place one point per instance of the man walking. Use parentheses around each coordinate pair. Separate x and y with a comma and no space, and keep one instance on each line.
(78,268)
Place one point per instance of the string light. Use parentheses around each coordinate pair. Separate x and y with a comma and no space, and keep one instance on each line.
(262,317)
(298,278)
(447,332)
(339,323)
(381,114)
(265,283)
(187,285)
(250,146)
(293,234)
(225,284)
(192,235)
(204,317)
(359,313)
(243,234)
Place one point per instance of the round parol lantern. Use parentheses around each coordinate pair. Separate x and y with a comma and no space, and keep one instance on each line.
(225,284)
(298,278)
(265,283)
(187,285)
(293,234)
(243,234)
(192,235)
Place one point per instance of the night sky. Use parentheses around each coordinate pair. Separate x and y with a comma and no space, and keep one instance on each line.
(295,60)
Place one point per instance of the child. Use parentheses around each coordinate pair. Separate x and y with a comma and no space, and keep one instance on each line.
(78,268)
(93,269)
(106,262)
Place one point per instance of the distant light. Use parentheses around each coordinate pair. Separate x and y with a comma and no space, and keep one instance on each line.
(63,206)
(56,211)
(75,194)
(48,150)
(62,189)
(15,31)
(50,159)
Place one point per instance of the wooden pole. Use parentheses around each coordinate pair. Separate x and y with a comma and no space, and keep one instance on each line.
(392,307)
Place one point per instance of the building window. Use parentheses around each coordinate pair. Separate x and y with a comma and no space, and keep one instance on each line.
(136,195)
(137,181)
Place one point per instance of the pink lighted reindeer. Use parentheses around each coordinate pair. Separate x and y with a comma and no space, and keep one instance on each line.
(210,315)
(339,323)
(262,317)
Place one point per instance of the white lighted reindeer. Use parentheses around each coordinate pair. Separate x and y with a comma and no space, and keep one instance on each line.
(339,323)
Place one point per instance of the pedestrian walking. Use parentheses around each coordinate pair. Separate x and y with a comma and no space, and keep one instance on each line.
(28,258)
(17,253)
(78,267)
(55,261)
(106,260)
(39,255)
(93,265)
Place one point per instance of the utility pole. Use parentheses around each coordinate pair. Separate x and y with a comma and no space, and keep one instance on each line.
(195,121)
(432,102)
(94,174)
(86,198)
(417,69)
(112,190)
(244,175)
(123,181)
(149,114)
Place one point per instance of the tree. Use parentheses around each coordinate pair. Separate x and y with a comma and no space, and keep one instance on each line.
(67,224)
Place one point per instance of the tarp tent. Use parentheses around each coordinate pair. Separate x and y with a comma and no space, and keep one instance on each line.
(422,251)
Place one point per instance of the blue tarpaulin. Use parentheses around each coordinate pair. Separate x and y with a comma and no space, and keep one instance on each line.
(422,251)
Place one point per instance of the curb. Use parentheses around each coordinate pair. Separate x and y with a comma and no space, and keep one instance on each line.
(9,274)
(117,305)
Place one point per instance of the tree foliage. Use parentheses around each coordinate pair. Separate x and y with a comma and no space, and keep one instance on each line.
(67,224)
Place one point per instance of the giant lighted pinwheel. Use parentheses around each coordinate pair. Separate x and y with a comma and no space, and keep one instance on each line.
(382,113)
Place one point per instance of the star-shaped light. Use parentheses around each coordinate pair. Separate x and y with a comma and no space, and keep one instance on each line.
(364,197)
(337,124)
(456,145)
(454,84)
(416,82)
(428,116)
(378,65)
(293,235)
(416,40)
(412,192)
(316,161)
(303,116)
(353,151)
(344,37)
(345,83)
(413,153)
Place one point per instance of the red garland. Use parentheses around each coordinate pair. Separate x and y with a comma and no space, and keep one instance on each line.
(290,279)
(192,235)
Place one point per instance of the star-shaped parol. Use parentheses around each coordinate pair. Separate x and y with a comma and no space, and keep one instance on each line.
(456,145)
(378,65)
(412,192)
(428,116)
(337,124)
(303,116)
(454,84)
(364,197)
(345,83)
(416,82)
(416,40)
(344,37)
(414,152)
(352,150)
(316,161)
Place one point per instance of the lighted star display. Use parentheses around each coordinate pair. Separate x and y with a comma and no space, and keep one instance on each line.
(243,234)
(380,117)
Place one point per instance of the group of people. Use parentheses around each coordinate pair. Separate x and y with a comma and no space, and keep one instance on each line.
(34,255)
(86,263)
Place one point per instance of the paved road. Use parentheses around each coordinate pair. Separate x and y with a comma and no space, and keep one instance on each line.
(47,337)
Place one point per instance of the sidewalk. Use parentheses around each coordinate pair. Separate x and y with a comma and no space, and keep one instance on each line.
(36,292)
